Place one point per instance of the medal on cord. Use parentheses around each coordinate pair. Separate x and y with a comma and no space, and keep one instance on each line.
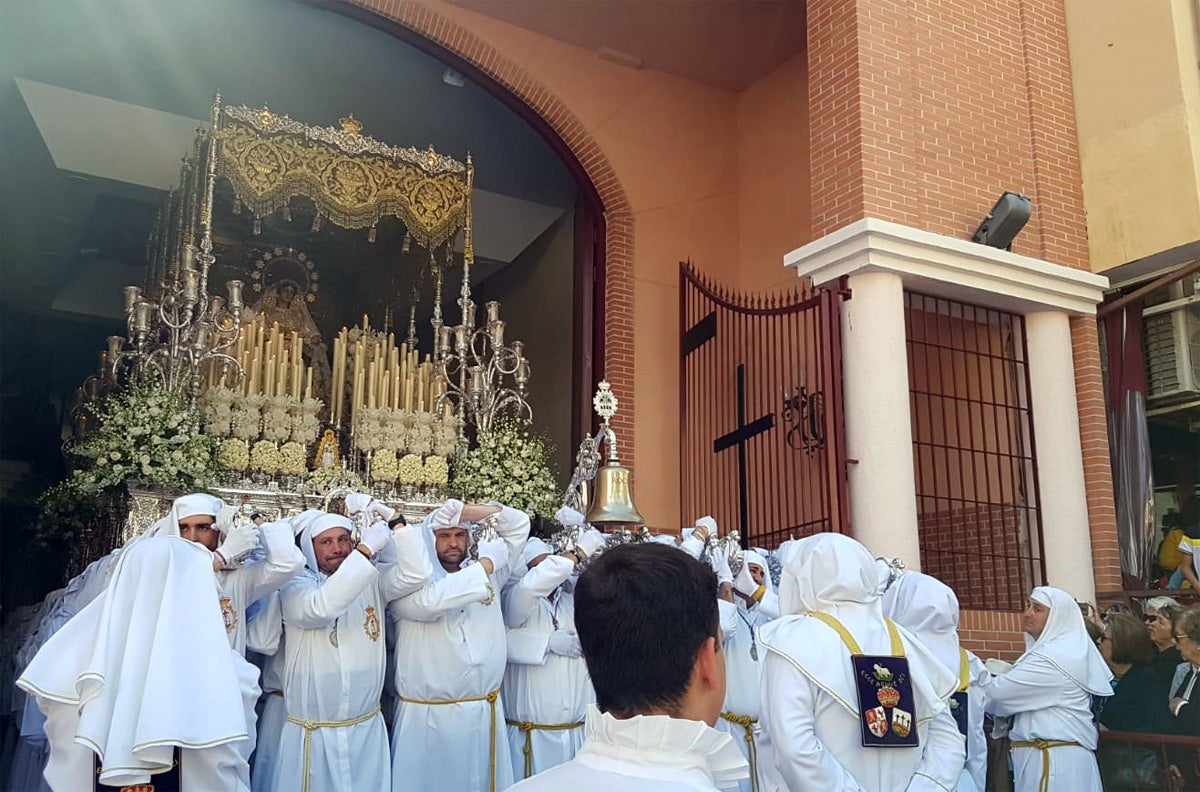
(753,640)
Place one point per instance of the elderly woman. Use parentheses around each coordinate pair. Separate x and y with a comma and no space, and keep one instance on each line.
(1184,704)
(1049,692)
(1157,613)
(1137,701)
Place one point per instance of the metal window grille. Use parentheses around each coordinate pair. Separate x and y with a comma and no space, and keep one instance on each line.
(977,498)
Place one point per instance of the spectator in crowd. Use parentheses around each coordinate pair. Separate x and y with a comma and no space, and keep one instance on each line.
(1158,612)
(1138,692)
(1184,704)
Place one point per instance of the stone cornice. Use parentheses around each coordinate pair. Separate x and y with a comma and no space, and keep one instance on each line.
(943,266)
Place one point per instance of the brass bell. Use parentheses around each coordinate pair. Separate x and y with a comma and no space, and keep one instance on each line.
(613,501)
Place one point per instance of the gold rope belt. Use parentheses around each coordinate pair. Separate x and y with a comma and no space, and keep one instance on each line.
(1044,746)
(528,728)
(490,698)
(747,724)
(310,726)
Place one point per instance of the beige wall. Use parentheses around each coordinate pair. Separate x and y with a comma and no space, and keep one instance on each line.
(1137,98)
(697,164)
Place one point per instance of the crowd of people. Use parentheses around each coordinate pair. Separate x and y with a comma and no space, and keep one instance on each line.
(460,654)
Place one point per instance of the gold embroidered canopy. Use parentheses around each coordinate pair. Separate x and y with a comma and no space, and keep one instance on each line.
(353,179)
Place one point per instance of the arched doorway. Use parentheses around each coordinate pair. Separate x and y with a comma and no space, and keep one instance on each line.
(603,316)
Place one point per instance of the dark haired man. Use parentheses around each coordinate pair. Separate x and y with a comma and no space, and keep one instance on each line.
(659,676)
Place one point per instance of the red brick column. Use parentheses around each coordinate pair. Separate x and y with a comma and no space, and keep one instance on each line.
(922,113)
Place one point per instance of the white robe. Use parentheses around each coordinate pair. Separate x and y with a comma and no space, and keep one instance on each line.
(257,579)
(1049,691)
(540,687)
(644,754)
(810,708)
(1046,704)
(324,682)
(451,646)
(743,677)
(115,677)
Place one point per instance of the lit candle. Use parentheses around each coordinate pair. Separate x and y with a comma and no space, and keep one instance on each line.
(308,389)
(191,286)
(269,382)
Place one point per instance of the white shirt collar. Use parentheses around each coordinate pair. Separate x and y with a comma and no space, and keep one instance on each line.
(673,747)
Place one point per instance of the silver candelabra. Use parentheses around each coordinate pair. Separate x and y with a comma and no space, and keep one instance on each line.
(187,328)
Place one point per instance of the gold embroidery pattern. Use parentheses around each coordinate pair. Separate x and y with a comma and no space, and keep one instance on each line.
(353,179)
(371,624)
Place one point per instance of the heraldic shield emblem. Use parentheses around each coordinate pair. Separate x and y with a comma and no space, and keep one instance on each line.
(229,614)
(371,624)
(885,701)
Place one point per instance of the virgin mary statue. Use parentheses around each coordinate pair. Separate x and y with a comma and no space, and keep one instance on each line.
(283,302)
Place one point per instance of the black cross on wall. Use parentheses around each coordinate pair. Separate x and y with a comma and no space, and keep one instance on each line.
(739,437)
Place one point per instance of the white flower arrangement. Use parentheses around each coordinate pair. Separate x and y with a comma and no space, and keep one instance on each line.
(246,417)
(147,433)
(233,454)
(264,456)
(410,470)
(510,465)
(437,471)
(384,466)
(276,422)
(293,461)
(305,424)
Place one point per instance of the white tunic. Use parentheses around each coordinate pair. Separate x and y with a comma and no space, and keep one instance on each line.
(645,754)
(257,579)
(1049,705)
(540,687)
(451,647)
(333,669)
(743,678)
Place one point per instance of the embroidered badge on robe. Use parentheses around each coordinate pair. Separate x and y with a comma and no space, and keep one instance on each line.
(885,701)
(958,708)
(371,624)
(228,614)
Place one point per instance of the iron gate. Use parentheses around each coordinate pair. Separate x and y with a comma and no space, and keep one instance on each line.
(761,442)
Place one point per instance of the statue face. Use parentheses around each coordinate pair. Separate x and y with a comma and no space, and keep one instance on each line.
(287,293)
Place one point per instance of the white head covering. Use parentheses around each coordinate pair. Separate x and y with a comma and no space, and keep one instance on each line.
(533,548)
(929,608)
(124,663)
(300,521)
(755,557)
(186,506)
(1064,642)
(709,524)
(833,574)
(314,528)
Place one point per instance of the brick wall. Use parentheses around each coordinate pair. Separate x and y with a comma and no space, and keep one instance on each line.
(979,551)
(991,634)
(922,112)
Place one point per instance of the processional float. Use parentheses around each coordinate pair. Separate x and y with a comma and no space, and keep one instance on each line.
(383,416)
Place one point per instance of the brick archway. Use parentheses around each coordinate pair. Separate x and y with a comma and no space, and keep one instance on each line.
(454,42)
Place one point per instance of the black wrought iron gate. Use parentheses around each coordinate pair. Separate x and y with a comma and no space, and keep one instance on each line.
(762,448)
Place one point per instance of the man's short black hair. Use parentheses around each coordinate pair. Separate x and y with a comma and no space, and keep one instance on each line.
(643,611)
